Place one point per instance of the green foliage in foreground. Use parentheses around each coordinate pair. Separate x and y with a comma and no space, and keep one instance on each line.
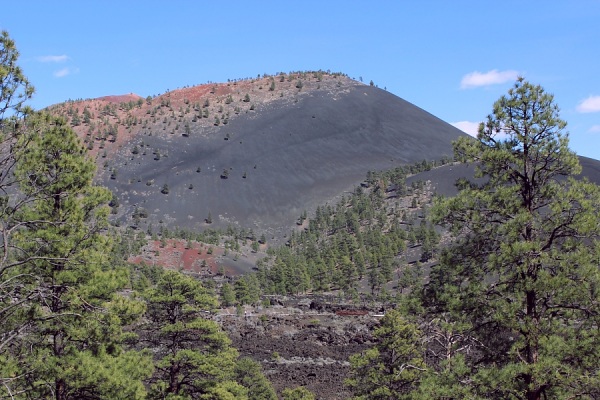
(64,332)
(70,325)
(194,356)
(249,374)
(298,393)
(523,277)
(394,366)
(513,309)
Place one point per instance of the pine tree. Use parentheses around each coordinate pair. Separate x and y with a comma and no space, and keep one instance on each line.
(60,316)
(70,344)
(15,90)
(15,87)
(227,295)
(247,290)
(522,279)
(194,356)
(393,367)
(297,393)
(250,375)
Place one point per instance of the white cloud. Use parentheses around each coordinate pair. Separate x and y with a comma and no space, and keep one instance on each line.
(589,105)
(468,127)
(61,73)
(493,77)
(53,59)
(594,129)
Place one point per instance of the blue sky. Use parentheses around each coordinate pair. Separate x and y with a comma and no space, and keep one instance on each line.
(451,58)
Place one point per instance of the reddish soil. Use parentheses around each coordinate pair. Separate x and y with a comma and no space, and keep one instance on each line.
(348,313)
(123,98)
(178,100)
(176,255)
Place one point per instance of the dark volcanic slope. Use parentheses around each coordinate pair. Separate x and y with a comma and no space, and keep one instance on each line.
(444,178)
(295,155)
(590,169)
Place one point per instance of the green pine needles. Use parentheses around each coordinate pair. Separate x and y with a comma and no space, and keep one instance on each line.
(70,321)
(522,278)
(512,310)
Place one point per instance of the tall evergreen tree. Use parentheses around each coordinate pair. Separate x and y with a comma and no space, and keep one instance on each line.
(522,278)
(393,367)
(250,375)
(15,89)
(227,295)
(61,316)
(194,356)
(69,307)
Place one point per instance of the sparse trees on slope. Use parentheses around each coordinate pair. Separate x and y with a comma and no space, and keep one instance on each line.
(522,279)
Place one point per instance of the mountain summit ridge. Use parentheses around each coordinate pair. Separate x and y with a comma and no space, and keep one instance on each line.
(254,152)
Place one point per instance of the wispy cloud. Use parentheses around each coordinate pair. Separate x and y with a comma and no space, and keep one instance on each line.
(594,129)
(53,59)
(589,105)
(61,73)
(468,127)
(493,77)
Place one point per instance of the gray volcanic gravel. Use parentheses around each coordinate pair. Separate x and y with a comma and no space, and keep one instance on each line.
(282,159)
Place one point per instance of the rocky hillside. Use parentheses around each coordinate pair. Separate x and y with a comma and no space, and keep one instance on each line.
(252,152)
